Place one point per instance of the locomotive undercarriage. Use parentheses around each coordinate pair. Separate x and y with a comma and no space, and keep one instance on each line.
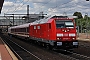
(49,44)
(57,44)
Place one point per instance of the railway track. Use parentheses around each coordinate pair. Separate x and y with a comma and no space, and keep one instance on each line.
(84,44)
(53,55)
(19,51)
(75,55)
(82,53)
(44,54)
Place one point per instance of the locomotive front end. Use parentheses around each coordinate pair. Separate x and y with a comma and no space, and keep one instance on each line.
(65,33)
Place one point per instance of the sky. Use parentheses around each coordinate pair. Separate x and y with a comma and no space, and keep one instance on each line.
(49,7)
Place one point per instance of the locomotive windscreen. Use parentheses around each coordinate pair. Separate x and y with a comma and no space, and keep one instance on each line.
(64,24)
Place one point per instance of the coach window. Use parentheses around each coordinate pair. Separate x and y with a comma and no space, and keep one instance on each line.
(24,29)
(27,29)
(12,30)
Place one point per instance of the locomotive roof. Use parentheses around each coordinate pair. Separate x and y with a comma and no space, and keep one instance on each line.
(44,20)
(60,17)
(49,19)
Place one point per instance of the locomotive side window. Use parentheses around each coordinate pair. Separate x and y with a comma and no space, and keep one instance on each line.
(64,24)
(38,27)
(34,27)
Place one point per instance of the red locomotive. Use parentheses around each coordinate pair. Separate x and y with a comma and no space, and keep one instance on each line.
(53,32)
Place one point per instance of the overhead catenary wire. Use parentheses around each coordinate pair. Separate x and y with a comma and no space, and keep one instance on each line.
(71,9)
(40,7)
(15,6)
(61,6)
(56,6)
(12,6)
(65,6)
(22,2)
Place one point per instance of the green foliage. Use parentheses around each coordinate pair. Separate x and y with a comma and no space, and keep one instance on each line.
(78,14)
(83,23)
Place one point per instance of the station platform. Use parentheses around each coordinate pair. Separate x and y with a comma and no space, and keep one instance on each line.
(83,37)
(5,52)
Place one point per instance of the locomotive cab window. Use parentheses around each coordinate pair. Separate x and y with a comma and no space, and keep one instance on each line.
(60,25)
(64,24)
(69,25)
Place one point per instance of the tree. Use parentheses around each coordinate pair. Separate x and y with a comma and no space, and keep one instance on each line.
(78,14)
(83,23)
(87,0)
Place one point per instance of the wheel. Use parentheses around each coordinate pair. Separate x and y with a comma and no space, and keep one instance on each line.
(49,47)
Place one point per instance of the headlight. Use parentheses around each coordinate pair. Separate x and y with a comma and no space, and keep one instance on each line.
(73,38)
(59,35)
(71,34)
(58,38)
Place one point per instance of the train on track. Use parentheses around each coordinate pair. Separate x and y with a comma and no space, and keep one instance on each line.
(58,32)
